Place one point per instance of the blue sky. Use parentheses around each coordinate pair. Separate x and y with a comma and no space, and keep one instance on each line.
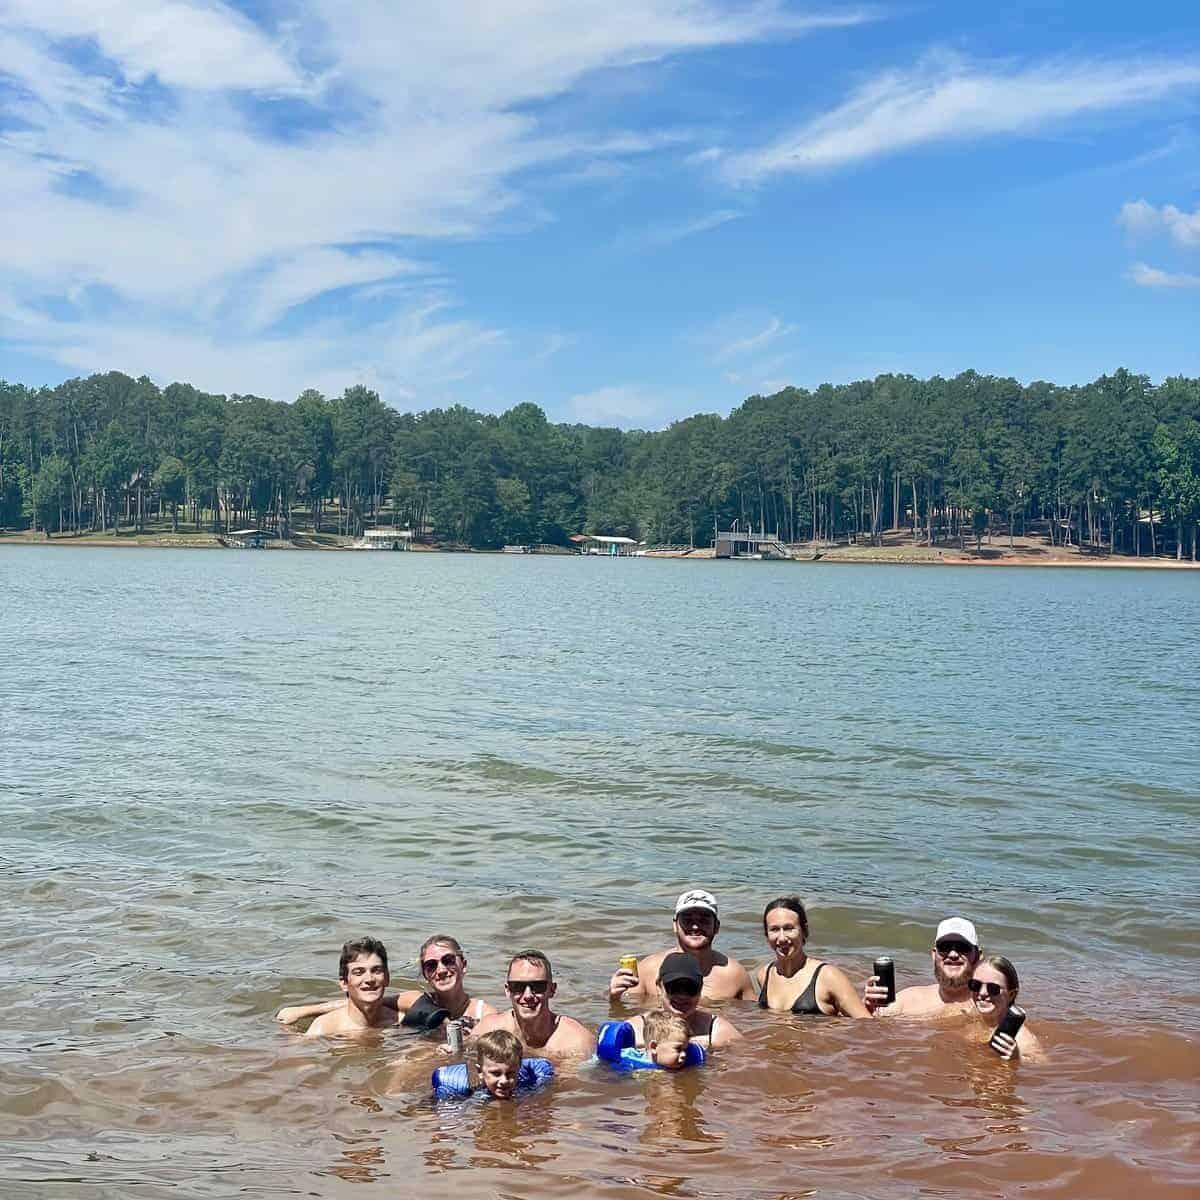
(624,212)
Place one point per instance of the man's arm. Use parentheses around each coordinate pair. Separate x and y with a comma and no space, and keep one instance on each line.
(746,989)
(318,1008)
(572,1037)
(636,986)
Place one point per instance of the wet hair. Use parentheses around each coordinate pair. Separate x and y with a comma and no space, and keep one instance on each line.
(500,1046)
(536,957)
(661,1024)
(351,950)
(794,904)
(440,939)
(1002,964)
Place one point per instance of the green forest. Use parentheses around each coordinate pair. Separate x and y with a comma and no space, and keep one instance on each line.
(1112,466)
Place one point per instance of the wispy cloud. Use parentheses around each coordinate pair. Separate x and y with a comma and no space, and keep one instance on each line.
(947,97)
(675,231)
(1140,218)
(1153,277)
(752,343)
(213,174)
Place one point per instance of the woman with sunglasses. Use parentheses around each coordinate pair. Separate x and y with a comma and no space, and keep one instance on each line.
(994,986)
(443,965)
(794,982)
(679,983)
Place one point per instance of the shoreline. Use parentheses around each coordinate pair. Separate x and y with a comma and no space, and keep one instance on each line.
(1031,554)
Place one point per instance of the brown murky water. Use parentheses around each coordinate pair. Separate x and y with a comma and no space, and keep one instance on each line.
(215,767)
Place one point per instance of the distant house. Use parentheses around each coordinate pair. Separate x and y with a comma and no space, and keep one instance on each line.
(598,543)
(245,539)
(385,539)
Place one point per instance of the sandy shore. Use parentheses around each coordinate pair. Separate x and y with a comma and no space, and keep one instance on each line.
(897,549)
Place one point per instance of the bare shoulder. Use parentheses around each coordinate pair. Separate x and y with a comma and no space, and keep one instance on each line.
(493,1020)
(572,1037)
(405,1000)
(760,976)
(919,1001)
(325,1026)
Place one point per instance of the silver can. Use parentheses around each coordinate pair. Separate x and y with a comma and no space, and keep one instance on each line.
(454,1036)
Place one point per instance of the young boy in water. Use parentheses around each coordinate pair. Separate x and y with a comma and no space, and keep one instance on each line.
(666,1037)
(497,1057)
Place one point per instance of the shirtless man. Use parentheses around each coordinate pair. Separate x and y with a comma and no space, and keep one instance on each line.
(955,953)
(363,976)
(696,925)
(530,986)
(679,982)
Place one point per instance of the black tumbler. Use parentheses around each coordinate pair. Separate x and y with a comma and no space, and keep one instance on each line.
(885,971)
(1011,1024)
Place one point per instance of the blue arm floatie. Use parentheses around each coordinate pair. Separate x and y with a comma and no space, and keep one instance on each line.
(616,1045)
(452,1081)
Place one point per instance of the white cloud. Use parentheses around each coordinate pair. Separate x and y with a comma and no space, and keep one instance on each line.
(206,46)
(675,231)
(626,405)
(1152,277)
(752,343)
(948,98)
(1141,217)
(173,186)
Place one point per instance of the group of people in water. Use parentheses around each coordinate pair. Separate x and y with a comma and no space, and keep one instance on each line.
(666,991)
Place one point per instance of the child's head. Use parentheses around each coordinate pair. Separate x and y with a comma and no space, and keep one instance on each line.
(666,1037)
(498,1059)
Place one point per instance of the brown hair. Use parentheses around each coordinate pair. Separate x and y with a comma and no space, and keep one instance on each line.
(351,950)
(500,1046)
(536,957)
(795,904)
(661,1024)
(1005,968)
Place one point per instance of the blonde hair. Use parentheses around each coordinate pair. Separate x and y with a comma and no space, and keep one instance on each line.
(500,1046)
(660,1024)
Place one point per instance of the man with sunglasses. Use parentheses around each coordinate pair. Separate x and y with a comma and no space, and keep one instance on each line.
(696,925)
(530,987)
(955,953)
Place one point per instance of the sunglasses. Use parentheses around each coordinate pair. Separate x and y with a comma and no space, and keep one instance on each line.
(430,965)
(682,987)
(992,989)
(516,987)
(953,946)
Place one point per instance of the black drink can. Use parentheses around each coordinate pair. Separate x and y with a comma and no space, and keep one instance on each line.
(1010,1024)
(885,971)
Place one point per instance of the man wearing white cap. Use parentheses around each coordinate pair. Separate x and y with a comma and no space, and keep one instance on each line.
(696,925)
(955,953)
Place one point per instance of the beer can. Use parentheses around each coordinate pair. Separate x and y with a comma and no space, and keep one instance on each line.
(885,971)
(629,962)
(454,1036)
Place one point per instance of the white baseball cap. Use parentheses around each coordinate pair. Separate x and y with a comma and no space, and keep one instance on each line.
(696,898)
(959,926)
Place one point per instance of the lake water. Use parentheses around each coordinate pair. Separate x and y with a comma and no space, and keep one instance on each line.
(215,767)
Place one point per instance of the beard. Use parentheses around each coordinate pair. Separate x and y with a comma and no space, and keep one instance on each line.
(951,983)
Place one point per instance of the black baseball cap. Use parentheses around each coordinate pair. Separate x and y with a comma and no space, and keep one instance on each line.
(679,966)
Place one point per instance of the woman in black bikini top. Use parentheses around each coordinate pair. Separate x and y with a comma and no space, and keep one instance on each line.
(826,991)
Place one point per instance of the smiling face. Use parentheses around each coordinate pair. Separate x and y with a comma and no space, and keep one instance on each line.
(784,933)
(670,1053)
(529,989)
(695,929)
(987,979)
(953,961)
(366,979)
(499,1077)
(442,967)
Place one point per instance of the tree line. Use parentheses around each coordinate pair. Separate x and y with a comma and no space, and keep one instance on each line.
(1112,465)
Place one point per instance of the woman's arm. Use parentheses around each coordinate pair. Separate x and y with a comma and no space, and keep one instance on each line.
(835,988)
